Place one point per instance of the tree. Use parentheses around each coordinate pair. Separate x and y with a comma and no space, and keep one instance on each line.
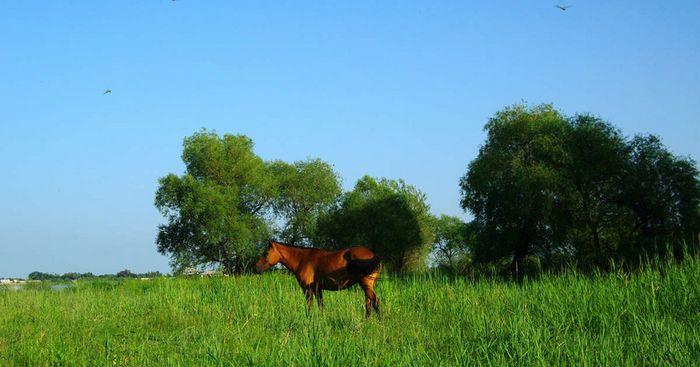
(306,189)
(215,211)
(390,217)
(573,188)
(598,157)
(514,187)
(452,240)
(151,274)
(663,192)
(126,273)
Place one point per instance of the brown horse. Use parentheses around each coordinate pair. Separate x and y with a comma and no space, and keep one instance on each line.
(317,269)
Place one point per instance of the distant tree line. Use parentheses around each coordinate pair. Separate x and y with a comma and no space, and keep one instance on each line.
(546,190)
(37,275)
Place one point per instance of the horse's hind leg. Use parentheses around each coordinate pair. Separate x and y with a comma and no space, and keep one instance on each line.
(309,293)
(368,301)
(375,304)
(371,299)
(319,298)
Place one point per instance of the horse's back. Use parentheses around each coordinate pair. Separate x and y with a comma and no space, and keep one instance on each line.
(359,253)
(343,256)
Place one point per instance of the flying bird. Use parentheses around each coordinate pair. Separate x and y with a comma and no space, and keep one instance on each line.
(563,7)
(107,91)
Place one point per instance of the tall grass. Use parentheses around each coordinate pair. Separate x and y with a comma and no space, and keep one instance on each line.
(649,318)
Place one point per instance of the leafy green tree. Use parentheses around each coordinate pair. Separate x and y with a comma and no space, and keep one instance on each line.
(390,217)
(306,189)
(663,191)
(598,157)
(215,211)
(126,273)
(547,188)
(452,243)
(515,188)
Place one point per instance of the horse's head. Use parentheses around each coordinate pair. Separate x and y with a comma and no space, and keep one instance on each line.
(269,258)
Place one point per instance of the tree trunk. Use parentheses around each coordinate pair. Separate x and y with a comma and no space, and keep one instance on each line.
(237,269)
(228,267)
(599,258)
(226,261)
(518,262)
(593,227)
(522,249)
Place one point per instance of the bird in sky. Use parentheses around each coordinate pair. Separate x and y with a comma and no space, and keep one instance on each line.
(563,7)
(107,91)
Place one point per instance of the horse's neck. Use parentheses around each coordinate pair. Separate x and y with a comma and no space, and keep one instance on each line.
(291,257)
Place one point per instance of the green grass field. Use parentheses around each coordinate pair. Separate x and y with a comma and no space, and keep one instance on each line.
(650,318)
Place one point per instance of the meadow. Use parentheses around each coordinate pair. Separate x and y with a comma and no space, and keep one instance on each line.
(647,318)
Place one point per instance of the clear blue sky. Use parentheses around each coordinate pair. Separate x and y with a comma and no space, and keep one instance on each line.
(397,89)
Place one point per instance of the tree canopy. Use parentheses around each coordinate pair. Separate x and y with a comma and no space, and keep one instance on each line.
(548,187)
(388,216)
(306,190)
(453,241)
(662,191)
(215,211)
(598,155)
(558,187)
(513,185)
(229,202)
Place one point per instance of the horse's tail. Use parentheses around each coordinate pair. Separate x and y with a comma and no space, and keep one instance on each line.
(365,267)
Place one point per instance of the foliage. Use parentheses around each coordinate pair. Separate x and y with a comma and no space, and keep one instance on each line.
(215,211)
(306,189)
(453,239)
(663,192)
(648,318)
(561,189)
(513,185)
(596,170)
(390,217)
